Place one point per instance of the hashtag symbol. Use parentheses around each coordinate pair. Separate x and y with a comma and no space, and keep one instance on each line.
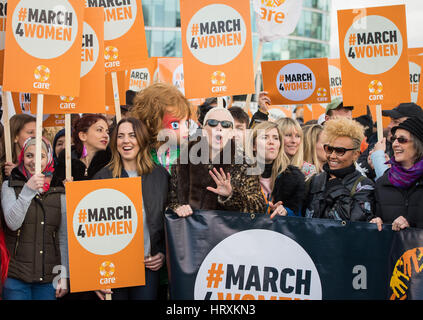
(352,39)
(194,29)
(215,275)
(22,14)
(82,216)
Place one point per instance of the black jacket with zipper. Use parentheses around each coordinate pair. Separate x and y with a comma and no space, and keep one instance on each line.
(34,247)
(392,202)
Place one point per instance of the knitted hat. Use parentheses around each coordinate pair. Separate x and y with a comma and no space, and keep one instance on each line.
(414,125)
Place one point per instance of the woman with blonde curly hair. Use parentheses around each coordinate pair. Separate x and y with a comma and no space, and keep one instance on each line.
(340,192)
(165,111)
(293,145)
(279,181)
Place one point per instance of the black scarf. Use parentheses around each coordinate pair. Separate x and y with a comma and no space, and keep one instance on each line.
(267,170)
(339,173)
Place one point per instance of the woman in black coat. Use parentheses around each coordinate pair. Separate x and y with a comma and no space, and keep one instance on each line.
(131,158)
(399,192)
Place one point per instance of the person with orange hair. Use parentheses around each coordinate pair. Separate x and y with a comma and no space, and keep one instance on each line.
(165,111)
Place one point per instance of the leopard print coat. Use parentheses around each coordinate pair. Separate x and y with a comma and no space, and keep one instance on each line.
(189,182)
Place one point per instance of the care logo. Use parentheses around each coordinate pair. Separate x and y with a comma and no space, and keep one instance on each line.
(41,73)
(272,3)
(139,79)
(216,34)
(42,30)
(241,268)
(90,49)
(407,267)
(119,16)
(107,271)
(381,41)
(107,227)
(111,53)
(296,82)
(67,103)
(218,79)
(322,94)
(375,90)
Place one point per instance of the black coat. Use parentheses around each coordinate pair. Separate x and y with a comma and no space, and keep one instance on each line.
(392,202)
(289,188)
(350,198)
(154,194)
(100,160)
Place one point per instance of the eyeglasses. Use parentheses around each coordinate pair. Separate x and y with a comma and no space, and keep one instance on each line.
(339,151)
(401,140)
(225,123)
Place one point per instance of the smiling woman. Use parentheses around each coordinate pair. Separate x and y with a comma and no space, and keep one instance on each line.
(340,192)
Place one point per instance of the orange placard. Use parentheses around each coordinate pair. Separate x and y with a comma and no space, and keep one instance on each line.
(3,14)
(141,76)
(335,78)
(22,103)
(92,72)
(373,54)
(43,41)
(302,81)
(124,33)
(171,70)
(415,65)
(415,51)
(217,48)
(105,234)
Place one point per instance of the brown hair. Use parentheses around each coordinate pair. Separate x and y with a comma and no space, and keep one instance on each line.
(145,162)
(151,104)
(82,125)
(17,122)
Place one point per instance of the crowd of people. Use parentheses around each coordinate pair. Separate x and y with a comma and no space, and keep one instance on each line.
(333,168)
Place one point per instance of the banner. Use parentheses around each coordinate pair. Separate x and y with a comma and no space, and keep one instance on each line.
(124,33)
(105,238)
(297,81)
(217,48)
(92,92)
(43,41)
(406,278)
(373,54)
(220,255)
(276,18)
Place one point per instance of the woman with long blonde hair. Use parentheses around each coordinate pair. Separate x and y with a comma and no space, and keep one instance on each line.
(314,152)
(280,181)
(293,145)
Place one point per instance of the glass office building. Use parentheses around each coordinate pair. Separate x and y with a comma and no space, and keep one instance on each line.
(309,40)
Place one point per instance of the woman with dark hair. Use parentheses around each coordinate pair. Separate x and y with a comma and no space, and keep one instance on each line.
(89,152)
(131,158)
(22,126)
(399,192)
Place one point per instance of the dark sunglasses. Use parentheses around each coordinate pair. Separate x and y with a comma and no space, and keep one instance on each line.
(225,123)
(401,140)
(339,151)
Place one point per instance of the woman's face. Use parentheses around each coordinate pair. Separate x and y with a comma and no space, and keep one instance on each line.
(404,153)
(338,160)
(270,143)
(218,136)
(291,140)
(320,151)
(127,143)
(97,136)
(29,159)
(26,132)
(60,145)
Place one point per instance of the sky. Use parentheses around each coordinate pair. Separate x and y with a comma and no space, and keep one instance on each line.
(414,14)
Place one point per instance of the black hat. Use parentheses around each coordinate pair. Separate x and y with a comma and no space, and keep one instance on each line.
(408,109)
(414,125)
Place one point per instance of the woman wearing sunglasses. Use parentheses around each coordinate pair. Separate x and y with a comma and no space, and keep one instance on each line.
(214,176)
(340,192)
(399,192)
